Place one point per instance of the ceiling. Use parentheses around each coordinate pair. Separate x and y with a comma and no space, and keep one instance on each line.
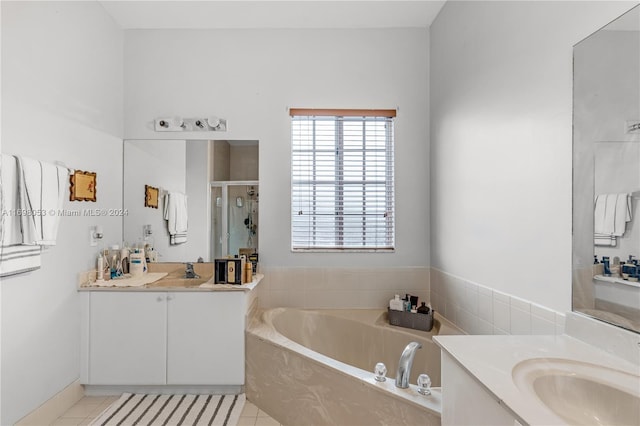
(272,14)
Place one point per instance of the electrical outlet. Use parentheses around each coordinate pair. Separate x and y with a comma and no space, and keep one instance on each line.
(93,241)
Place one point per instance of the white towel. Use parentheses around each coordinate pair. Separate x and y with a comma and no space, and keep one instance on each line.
(605,240)
(15,257)
(622,214)
(41,190)
(175,213)
(611,214)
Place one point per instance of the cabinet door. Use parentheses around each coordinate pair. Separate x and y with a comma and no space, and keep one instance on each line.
(205,338)
(127,338)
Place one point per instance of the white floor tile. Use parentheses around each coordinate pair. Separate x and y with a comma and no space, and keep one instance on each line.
(247,421)
(266,421)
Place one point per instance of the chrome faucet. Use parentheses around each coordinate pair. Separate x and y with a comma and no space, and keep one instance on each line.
(189,272)
(405,363)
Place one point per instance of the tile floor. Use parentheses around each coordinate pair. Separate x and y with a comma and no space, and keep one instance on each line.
(90,407)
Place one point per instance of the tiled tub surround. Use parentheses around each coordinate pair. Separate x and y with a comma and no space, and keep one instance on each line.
(316,367)
(481,310)
(340,288)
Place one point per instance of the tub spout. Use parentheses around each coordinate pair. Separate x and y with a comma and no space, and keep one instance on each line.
(405,363)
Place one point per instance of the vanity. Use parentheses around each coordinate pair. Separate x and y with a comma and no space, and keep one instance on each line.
(176,334)
(537,380)
(170,335)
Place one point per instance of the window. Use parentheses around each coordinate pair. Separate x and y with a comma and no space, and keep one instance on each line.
(342,180)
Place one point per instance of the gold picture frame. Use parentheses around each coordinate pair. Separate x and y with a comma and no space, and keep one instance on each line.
(151,195)
(83,186)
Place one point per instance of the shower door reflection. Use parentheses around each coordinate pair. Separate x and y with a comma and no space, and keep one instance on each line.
(235,217)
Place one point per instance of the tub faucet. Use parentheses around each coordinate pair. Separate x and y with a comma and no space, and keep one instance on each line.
(405,363)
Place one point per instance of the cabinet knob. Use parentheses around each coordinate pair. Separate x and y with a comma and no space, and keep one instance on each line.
(169,297)
(160,299)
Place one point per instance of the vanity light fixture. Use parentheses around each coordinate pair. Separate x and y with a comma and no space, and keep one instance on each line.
(178,124)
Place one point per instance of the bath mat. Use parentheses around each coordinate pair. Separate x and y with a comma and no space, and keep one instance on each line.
(141,409)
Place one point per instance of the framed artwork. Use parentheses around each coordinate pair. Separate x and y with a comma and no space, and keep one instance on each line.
(83,186)
(151,196)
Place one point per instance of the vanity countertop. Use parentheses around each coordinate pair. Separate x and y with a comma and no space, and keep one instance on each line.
(171,283)
(491,359)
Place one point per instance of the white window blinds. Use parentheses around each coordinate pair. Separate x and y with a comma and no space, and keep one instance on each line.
(342,180)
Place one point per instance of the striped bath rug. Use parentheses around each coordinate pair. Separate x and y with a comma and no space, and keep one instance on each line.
(189,410)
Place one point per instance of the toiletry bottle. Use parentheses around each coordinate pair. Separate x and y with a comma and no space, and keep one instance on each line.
(100,268)
(605,262)
(124,259)
(396,304)
(115,260)
(595,259)
(423,309)
(615,268)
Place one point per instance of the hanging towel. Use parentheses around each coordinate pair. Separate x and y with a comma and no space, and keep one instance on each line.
(605,240)
(15,257)
(41,190)
(175,213)
(622,214)
(611,214)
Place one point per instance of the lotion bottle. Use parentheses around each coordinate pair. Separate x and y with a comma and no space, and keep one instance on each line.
(100,276)
(396,304)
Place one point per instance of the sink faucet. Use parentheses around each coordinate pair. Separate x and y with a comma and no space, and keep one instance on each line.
(405,363)
(189,272)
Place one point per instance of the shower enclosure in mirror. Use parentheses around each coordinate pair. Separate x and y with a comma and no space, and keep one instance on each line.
(206,190)
(606,173)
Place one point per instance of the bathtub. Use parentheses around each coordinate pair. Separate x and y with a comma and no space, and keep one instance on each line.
(314,367)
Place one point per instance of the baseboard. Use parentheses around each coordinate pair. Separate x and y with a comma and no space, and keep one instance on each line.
(102,390)
(54,407)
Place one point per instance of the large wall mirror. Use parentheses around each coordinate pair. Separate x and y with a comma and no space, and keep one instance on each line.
(606,173)
(207,196)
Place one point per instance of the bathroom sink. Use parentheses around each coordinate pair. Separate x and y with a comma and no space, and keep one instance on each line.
(581,393)
(177,278)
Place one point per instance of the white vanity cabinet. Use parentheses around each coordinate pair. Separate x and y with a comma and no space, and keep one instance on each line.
(163,338)
(465,402)
(205,333)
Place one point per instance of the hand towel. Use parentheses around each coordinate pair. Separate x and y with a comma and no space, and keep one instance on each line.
(599,209)
(175,213)
(622,214)
(15,257)
(41,190)
(605,240)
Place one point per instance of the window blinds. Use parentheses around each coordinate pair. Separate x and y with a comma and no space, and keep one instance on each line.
(342,180)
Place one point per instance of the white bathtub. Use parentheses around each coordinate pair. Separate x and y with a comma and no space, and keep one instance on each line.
(316,367)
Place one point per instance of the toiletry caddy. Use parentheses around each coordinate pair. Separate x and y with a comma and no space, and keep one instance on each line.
(415,321)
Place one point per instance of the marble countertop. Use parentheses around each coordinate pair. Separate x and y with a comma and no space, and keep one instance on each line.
(172,283)
(491,359)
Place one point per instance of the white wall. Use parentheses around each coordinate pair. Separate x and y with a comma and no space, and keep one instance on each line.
(62,98)
(501,111)
(161,164)
(250,77)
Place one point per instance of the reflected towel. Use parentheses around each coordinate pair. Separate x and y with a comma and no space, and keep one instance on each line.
(605,240)
(622,214)
(175,213)
(612,212)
